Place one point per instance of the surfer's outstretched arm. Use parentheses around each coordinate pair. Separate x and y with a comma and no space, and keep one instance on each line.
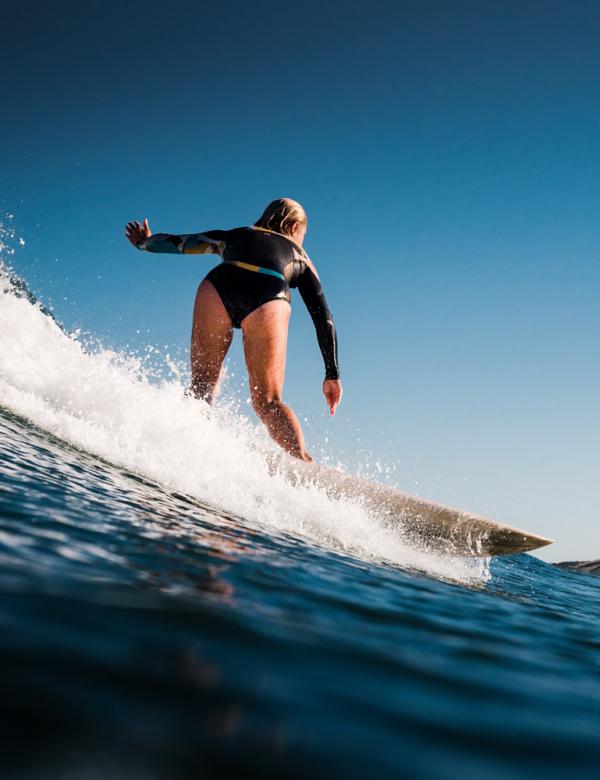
(212,242)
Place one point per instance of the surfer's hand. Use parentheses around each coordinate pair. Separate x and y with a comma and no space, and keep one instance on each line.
(136,233)
(332,389)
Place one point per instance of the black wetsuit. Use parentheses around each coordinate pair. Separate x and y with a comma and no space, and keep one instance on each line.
(258,266)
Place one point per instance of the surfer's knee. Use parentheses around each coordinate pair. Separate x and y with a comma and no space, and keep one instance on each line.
(265,402)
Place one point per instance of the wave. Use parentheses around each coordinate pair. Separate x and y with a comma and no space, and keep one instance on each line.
(112,405)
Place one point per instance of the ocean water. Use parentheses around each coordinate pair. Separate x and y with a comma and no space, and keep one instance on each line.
(171,609)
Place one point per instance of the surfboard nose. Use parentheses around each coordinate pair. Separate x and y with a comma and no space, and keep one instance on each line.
(426,523)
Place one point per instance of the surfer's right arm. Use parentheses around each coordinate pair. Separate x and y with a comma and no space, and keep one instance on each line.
(209,243)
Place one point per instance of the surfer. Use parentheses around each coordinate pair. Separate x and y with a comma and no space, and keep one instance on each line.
(250,290)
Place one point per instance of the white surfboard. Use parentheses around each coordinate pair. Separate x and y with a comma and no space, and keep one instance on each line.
(441,528)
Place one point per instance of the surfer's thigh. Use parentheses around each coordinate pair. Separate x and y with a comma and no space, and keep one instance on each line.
(211,331)
(265,333)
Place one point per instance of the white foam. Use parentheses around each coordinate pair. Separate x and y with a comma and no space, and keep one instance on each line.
(104,402)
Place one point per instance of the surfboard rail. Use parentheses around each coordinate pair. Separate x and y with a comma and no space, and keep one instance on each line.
(441,528)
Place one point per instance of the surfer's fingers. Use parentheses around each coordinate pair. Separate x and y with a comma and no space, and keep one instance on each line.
(133,232)
(331,401)
(334,396)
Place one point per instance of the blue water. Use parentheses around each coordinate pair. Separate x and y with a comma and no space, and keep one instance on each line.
(171,609)
(145,634)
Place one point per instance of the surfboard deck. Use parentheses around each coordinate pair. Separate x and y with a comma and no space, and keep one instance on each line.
(440,528)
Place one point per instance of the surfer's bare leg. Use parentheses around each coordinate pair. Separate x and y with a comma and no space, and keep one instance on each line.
(265,341)
(211,337)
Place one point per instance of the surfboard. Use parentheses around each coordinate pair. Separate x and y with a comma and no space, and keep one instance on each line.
(440,528)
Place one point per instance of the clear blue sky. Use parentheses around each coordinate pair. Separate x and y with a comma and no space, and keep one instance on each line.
(448,155)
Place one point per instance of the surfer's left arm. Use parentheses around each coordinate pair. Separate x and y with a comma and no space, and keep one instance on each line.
(212,242)
(313,296)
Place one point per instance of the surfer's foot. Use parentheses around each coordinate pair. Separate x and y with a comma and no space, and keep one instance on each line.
(191,393)
(296,450)
(201,391)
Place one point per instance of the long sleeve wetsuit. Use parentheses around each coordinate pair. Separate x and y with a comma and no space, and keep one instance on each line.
(258,266)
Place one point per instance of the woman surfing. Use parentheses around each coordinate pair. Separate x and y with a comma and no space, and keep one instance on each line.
(250,290)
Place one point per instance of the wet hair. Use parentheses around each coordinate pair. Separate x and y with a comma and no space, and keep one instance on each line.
(281,214)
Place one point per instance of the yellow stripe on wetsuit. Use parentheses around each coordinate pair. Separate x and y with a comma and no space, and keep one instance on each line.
(256,268)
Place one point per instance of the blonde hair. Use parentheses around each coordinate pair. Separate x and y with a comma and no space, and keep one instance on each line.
(281,214)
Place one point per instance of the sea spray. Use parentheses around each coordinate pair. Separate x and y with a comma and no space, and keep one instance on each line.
(107,403)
